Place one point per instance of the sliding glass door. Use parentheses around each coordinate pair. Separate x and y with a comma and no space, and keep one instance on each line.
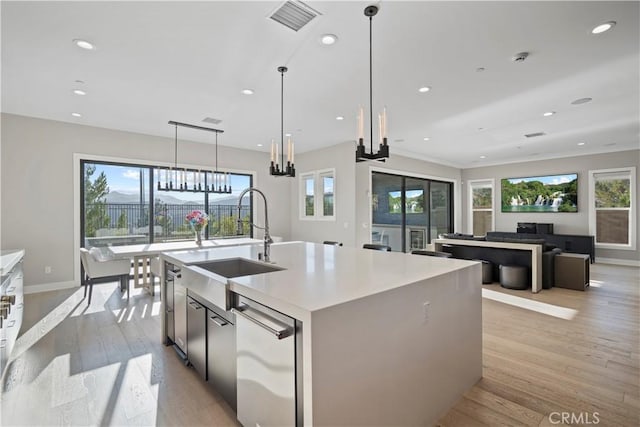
(408,212)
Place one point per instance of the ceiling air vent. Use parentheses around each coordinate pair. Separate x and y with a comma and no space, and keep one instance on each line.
(533,135)
(212,120)
(294,14)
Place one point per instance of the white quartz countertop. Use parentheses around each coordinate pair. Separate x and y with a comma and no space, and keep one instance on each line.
(9,258)
(157,248)
(319,276)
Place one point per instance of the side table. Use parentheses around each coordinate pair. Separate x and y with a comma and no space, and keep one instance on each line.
(572,271)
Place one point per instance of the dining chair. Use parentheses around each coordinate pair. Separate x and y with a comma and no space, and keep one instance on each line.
(377,247)
(331,242)
(97,266)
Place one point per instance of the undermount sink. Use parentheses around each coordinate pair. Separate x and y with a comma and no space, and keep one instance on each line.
(236,267)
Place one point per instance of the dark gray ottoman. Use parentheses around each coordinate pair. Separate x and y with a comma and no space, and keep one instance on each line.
(487,271)
(514,277)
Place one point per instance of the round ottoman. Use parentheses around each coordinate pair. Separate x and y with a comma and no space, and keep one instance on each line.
(487,271)
(514,277)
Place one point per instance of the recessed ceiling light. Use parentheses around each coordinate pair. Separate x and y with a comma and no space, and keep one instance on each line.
(79,92)
(287,134)
(549,113)
(259,145)
(480,129)
(424,89)
(580,143)
(479,69)
(339,118)
(483,157)
(604,27)
(80,82)
(76,114)
(247,91)
(83,44)
(328,39)
(426,138)
(581,101)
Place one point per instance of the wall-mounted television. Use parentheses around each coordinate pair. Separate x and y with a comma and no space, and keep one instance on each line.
(549,193)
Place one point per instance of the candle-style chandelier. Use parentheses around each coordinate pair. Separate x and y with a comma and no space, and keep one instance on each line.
(280,169)
(383,151)
(193,180)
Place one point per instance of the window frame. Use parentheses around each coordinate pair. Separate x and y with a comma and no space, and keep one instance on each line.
(80,158)
(631,171)
(318,195)
(481,183)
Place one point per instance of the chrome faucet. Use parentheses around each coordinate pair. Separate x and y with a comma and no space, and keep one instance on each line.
(267,237)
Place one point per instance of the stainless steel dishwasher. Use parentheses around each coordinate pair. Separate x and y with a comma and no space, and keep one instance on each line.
(197,336)
(266,366)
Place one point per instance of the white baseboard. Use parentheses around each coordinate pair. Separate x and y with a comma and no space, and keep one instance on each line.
(617,261)
(46,287)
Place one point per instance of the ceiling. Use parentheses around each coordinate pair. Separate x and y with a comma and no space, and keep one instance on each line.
(184,61)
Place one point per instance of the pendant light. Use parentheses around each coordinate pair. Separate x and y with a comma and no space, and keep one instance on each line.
(277,167)
(218,178)
(383,151)
(203,181)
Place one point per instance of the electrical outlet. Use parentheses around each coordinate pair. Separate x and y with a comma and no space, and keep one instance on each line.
(47,269)
(425,310)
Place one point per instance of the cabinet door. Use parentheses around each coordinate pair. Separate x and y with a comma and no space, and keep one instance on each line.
(180,315)
(221,356)
(197,336)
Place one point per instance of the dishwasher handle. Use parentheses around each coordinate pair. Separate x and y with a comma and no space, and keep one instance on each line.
(218,321)
(174,274)
(279,333)
(194,305)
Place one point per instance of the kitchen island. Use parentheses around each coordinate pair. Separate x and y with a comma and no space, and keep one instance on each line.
(381,338)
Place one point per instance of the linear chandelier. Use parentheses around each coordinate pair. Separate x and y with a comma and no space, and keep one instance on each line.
(383,152)
(193,180)
(280,169)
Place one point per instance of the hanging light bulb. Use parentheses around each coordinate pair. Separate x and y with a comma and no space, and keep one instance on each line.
(383,151)
(278,167)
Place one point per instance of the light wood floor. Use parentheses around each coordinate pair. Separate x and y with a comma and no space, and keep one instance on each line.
(104,364)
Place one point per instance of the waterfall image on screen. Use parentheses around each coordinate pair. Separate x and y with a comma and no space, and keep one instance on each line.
(553,193)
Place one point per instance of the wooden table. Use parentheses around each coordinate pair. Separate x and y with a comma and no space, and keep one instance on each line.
(144,252)
(536,255)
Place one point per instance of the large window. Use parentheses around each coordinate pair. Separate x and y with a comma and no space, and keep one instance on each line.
(122,205)
(612,199)
(481,217)
(408,212)
(317,195)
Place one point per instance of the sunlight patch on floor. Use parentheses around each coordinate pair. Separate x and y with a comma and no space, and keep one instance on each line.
(527,304)
(131,313)
(155,309)
(595,283)
(67,388)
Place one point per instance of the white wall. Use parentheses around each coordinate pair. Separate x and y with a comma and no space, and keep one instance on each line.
(37,209)
(340,157)
(563,223)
